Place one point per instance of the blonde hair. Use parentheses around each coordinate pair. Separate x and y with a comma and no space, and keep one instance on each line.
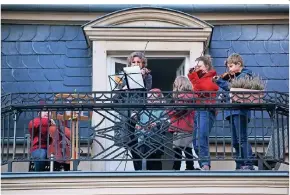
(235,58)
(182,83)
(206,59)
(139,55)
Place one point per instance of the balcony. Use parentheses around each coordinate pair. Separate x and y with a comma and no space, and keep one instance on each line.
(108,140)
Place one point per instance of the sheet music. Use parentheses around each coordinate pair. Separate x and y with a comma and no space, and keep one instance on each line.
(134,77)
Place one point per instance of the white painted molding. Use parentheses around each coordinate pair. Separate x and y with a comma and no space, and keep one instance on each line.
(147,185)
(148,24)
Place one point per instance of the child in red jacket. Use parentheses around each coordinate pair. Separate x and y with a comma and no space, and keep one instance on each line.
(201,79)
(181,123)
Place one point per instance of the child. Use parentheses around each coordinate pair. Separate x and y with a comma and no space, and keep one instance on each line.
(201,79)
(181,123)
(238,118)
(150,132)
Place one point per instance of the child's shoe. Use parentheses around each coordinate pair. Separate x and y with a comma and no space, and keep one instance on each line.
(205,168)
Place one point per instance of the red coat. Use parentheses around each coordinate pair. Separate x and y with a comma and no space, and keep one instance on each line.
(204,83)
(182,120)
(34,128)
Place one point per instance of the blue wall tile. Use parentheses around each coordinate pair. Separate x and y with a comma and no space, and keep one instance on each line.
(15,32)
(280,59)
(80,36)
(263,59)
(78,72)
(216,35)
(273,47)
(9,48)
(5,31)
(249,60)
(77,81)
(24,48)
(4,62)
(219,53)
(283,72)
(52,75)
(9,87)
(15,62)
(6,75)
(42,33)
(78,62)
(41,48)
(257,47)
(270,73)
(241,47)
(56,33)
(280,32)
(42,86)
(78,53)
(26,87)
(21,75)
(30,61)
(59,60)
(70,33)
(77,44)
(46,61)
(36,75)
(29,32)
(264,32)
(285,46)
(249,32)
(58,47)
(231,32)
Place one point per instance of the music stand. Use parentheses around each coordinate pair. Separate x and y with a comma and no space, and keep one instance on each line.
(130,79)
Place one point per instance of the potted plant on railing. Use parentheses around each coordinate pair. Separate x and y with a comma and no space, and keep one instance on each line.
(247,90)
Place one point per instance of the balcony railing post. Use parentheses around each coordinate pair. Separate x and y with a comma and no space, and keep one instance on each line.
(14,134)
(144,164)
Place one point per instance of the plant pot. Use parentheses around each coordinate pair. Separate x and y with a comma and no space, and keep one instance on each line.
(246,95)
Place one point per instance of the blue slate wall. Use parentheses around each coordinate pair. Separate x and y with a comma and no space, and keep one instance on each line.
(48,58)
(44,58)
(264,48)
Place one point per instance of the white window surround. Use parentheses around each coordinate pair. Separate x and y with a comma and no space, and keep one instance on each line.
(164,31)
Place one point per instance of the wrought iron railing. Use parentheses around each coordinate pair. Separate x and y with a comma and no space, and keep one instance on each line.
(142,128)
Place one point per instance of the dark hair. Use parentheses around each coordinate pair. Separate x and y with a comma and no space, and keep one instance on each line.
(206,59)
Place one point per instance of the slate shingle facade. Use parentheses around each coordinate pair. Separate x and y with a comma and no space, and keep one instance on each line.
(48,58)
(45,58)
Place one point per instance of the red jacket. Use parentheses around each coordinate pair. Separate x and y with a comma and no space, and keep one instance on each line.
(204,83)
(182,120)
(34,128)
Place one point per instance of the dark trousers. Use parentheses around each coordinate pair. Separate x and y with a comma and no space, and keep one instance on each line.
(133,147)
(243,149)
(59,166)
(152,164)
(188,155)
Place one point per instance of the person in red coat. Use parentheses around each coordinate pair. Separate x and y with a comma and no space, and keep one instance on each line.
(201,78)
(38,130)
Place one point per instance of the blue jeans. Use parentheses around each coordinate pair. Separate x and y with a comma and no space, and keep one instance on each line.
(39,154)
(203,124)
(243,149)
